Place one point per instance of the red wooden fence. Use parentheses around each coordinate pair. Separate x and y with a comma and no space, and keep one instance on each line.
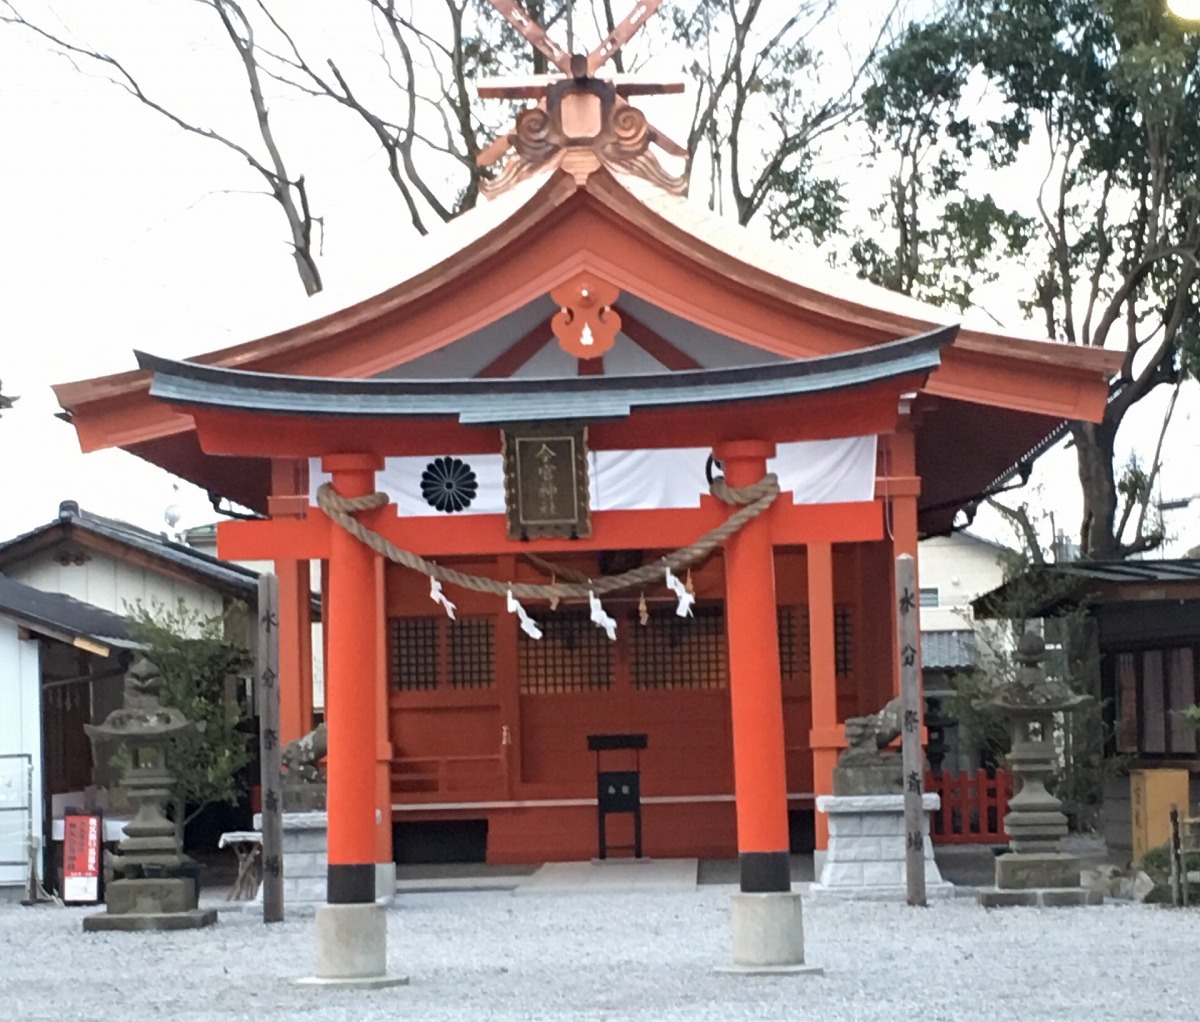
(973,808)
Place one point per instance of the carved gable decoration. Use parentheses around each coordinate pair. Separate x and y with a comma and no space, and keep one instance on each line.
(582,121)
(586,323)
(546,481)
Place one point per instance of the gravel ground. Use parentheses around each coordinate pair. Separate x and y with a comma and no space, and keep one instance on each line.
(489,956)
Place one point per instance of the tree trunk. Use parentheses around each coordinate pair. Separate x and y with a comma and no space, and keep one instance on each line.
(1094,447)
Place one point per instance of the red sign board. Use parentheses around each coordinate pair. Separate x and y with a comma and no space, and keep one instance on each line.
(81,858)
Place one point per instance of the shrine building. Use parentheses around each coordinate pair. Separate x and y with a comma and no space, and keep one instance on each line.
(880,418)
(603,464)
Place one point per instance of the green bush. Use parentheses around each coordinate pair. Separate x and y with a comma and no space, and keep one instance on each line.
(200,668)
(1157,863)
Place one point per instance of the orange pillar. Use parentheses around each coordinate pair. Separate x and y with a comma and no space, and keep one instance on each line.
(352,615)
(756,694)
(295,650)
(827,737)
(383,739)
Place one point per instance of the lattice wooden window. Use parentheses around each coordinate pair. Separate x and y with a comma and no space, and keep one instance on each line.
(414,652)
(573,655)
(794,648)
(425,651)
(843,639)
(679,652)
(470,645)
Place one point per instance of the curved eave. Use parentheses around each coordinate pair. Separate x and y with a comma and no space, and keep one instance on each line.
(290,345)
(477,402)
(1081,373)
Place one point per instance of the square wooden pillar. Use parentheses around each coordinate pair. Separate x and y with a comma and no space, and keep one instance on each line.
(827,738)
(904,489)
(295,650)
(383,724)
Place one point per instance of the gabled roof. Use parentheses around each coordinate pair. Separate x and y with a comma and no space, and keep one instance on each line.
(1006,392)
(121,539)
(64,618)
(1075,583)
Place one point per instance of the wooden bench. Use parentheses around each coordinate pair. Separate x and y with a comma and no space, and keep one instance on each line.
(247,845)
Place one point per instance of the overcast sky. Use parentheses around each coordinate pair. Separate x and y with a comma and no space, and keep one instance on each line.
(119,232)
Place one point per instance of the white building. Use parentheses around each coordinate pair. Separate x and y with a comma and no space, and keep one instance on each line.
(954,570)
(64,588)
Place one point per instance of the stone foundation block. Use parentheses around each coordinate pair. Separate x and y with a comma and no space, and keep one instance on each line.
(866,855)
(1068,897)
(137,921)
(1026,872)
(169,894)
(862,849)
(883,874)
(848,826)
(882,825)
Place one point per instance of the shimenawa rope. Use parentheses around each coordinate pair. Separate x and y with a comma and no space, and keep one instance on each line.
(751,501)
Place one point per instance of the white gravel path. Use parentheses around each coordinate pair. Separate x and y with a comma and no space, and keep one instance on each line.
(490,956)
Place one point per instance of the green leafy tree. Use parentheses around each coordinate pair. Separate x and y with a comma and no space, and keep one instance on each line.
(200,668)
(1073,657)
(1102,97)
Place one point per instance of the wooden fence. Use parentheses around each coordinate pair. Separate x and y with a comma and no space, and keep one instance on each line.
(973,808)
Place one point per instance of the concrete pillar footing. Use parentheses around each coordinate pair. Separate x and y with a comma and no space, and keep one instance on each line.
(364,983)
(769,970)
(768,935)
(352,948)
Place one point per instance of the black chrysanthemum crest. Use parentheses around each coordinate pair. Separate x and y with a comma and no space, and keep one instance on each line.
(448,484)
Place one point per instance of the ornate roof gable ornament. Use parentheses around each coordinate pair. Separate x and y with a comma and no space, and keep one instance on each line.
(581,122)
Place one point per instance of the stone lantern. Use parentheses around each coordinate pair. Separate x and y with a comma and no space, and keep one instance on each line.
(155,886)
(1035,871)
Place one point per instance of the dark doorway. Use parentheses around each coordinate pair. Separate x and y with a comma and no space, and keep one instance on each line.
(802,832)
(437,841)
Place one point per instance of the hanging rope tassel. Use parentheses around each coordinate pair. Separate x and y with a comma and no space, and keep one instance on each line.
(528,625)
(686,599)
(436,594)
(601,618)
(643,610)
(750,502)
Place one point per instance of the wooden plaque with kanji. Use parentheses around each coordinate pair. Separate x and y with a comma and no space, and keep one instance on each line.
(546,481)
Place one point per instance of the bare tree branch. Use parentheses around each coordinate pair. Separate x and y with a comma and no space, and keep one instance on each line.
(291,195)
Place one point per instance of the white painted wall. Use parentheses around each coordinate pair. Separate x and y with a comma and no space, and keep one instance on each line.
(20,733)
(208,545)
(112,584)
(961,567)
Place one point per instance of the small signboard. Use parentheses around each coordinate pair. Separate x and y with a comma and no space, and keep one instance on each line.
(546,481)
(81,858)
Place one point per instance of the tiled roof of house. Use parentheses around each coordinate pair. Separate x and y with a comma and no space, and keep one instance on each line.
(231,579)
(948,651)
(62,617)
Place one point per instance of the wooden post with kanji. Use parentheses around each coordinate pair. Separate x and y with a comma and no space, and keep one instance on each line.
(270,750)
(912,754)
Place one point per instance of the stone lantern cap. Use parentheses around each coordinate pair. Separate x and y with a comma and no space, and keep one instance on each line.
(1031,690)
(143,715)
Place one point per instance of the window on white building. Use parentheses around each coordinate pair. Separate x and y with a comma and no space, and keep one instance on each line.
(929,597)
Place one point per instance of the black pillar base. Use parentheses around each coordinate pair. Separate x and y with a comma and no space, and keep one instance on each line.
(350,885)
(765,872)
